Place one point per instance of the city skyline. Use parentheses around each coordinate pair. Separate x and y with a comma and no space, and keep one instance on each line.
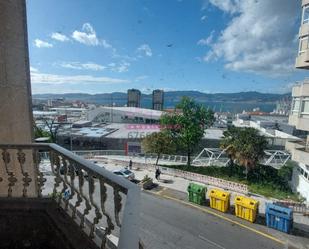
(179,45)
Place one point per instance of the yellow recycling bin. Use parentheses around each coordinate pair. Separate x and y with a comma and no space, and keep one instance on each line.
(219,200)
(246,208)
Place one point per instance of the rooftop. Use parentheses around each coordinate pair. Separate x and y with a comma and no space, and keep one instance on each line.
(134,110)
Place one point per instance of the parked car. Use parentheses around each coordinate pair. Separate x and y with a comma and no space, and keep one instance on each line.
(125,173)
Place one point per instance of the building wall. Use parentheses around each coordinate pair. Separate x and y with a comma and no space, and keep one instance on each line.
(302,60)
(157,100)
(110,115)
(300,183)
(300,106)
(103,143)
(134,98)
(15,91)
(16,121)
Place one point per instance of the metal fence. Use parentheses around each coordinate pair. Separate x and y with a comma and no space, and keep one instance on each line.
(296,206)
(208,180)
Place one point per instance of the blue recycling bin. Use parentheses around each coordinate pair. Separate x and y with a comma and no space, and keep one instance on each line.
(278,217)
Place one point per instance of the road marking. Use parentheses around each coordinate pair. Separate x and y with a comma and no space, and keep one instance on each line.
(224,218)
(160,192)
(211,242)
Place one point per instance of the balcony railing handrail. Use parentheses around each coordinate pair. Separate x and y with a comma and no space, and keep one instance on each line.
(80,160)
(130,222)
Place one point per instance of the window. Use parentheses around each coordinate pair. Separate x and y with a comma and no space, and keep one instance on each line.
(127,172)
(295,105)
(305,106)
(306,14)
(303,44)
(301,171)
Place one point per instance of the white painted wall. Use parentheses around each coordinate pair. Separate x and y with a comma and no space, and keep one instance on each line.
(300,184)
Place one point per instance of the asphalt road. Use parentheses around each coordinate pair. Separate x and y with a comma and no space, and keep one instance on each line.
(166,224)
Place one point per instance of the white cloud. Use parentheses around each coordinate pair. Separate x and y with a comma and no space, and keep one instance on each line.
(145,49)
(141,77)
(42,44)
(33,69)
(59,37)
(209,56)
(260,37)
(203,18)
(44,78)
(206,41)
(228,5)
(204,5)
(89,37)
(83,66)
(105,44)
(120,68)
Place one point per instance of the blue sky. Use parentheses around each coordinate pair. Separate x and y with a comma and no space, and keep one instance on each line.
(206,45)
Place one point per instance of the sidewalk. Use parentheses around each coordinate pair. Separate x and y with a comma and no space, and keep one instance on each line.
(181,184)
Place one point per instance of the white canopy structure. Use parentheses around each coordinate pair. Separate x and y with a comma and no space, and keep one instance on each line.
(211,157)
(218,157)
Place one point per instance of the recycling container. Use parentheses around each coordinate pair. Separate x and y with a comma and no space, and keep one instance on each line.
(219,200)
(246,208)
(279,218)
(197,193)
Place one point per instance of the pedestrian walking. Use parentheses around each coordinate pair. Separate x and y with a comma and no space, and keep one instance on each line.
(158,173)
(130,164)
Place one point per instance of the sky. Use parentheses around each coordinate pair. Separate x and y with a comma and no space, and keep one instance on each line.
(102,46)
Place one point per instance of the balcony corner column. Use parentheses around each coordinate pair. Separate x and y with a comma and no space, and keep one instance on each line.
(16,119)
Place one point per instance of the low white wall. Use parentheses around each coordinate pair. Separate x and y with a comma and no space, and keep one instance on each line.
(300,184)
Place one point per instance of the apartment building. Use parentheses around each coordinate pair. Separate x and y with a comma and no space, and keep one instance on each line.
(134,98)
(299,115)
(302,59)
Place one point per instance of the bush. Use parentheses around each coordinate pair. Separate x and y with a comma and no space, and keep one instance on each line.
(146,178)
(264,180)
(286,172)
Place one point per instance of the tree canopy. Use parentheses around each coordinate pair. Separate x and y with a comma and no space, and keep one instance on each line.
(187,124)
(39,132)
(245,145)
(158,143)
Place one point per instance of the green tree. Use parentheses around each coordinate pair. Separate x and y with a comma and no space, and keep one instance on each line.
(39,132)
(159,143)
(187,124)
(245,145)
(286,171)
(53,126)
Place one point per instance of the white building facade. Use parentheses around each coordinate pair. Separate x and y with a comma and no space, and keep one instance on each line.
(299,117)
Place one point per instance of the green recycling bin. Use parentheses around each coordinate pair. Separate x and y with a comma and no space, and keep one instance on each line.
(196,193)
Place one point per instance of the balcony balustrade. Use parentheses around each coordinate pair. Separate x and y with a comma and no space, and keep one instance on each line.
(105,206)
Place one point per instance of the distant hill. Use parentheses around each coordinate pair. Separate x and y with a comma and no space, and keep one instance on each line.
(173,97)
(234,102)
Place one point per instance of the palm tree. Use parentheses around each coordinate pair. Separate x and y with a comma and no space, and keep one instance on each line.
(245,145)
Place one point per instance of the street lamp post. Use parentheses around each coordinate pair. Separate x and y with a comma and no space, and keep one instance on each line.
(71,142)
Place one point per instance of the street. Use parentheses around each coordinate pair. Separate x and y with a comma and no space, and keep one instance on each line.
(166,224)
